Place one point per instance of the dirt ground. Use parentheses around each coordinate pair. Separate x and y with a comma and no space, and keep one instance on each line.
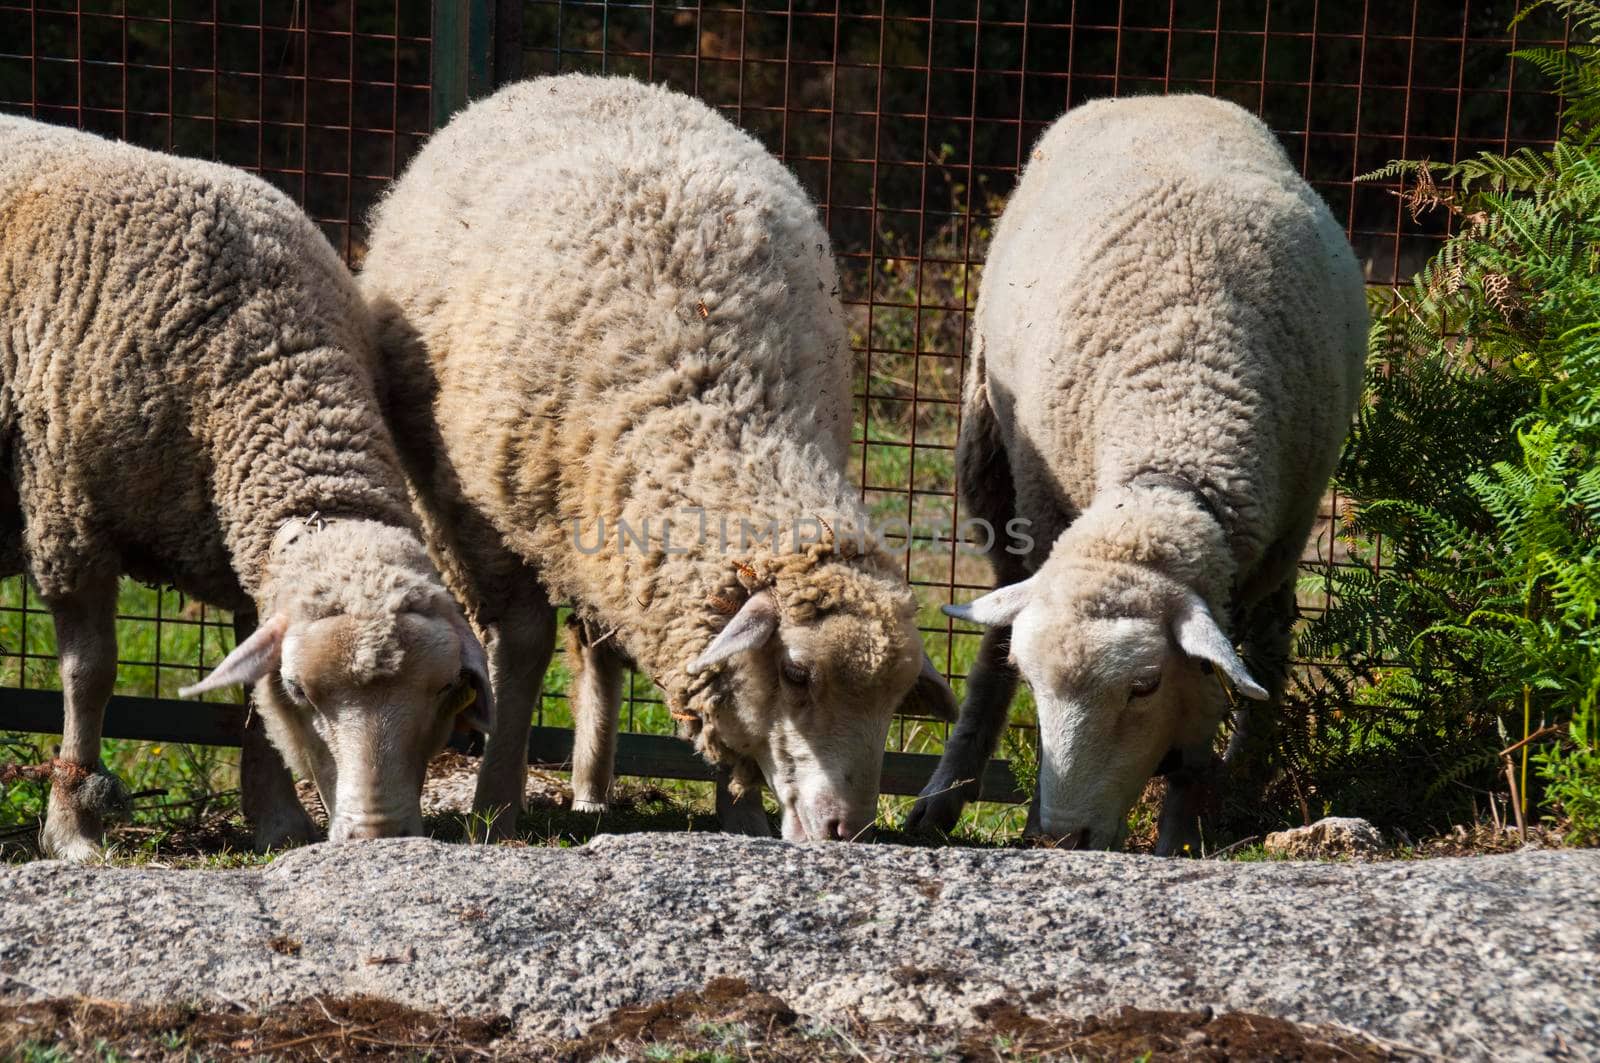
(727,1020)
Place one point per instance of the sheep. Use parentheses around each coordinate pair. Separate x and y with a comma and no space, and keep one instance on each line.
(616,362)
(187,396)
(1169,347)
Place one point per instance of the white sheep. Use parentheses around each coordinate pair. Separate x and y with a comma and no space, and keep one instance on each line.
(187,396)
(1169,348)
(614,340)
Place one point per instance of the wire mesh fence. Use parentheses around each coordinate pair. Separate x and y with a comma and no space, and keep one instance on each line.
(326,101)
(907,120)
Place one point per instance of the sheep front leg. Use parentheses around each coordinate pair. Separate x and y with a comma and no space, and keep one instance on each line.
(266,788)
(1267,640)
(1245,771)
(741,815)
(81,792)
(596,703)
(990,687)
(518,645)
(1190,799)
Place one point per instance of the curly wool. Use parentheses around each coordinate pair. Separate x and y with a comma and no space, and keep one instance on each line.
(1165,295)
(668,339)
(849,574)
(185,366)
(370,573)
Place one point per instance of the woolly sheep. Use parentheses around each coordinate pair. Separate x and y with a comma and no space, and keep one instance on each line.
(603,305)
(187,396)
(1169,347)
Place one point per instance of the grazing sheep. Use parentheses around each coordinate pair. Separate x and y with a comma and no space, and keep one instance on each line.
(614,343)
(1169,348)
(187,396)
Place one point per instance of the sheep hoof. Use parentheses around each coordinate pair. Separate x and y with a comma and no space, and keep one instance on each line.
(284,832)
(742,818)
(73,850)
(71,842)
(73,827)
(937,812)
(588,807)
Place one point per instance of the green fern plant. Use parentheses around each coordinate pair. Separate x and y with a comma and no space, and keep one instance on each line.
(1468,612)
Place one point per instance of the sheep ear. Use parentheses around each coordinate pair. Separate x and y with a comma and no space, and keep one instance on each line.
(998,607)
(1200,637)
(930,695)
(253,659)
(478,714)
(750,627)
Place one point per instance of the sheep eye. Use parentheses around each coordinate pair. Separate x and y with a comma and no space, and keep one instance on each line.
(296,692)
(795,674)
(1143,688)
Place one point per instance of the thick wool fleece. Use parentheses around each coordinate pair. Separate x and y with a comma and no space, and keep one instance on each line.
(638,315)
(368,572)
(185,366)
(1164,295)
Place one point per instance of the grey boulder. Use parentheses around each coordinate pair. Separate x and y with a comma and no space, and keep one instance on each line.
(1492,957)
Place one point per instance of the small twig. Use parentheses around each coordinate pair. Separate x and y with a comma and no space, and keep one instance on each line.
(25,829)
(202,799)
(1516,799)
(325,1010)
(341,1033)
(1240,844)
(1542,732)
(384,1043)
(1300,798)
(953,786)
(847,1039)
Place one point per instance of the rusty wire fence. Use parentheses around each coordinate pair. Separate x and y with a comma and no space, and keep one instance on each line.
(906,120)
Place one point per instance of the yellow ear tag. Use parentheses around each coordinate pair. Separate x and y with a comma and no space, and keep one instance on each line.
(461,698)
(1227,689)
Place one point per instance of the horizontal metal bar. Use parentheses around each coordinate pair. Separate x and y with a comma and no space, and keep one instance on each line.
(143,719)
(643,755)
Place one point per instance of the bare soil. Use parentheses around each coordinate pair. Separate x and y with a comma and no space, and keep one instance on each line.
(310,1029)
(727,1020)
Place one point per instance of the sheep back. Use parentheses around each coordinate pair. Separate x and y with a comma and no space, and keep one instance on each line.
(635,310)
(1164,292)
(185,364)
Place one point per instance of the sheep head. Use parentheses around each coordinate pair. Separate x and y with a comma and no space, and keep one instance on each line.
(1121,660)
(807,685)
(363,666)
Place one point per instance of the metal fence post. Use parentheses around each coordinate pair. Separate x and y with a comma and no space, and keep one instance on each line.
(463,54)
(507,41)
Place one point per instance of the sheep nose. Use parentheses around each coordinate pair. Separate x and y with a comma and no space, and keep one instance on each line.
(363,831)
(365,827)
(843,830)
